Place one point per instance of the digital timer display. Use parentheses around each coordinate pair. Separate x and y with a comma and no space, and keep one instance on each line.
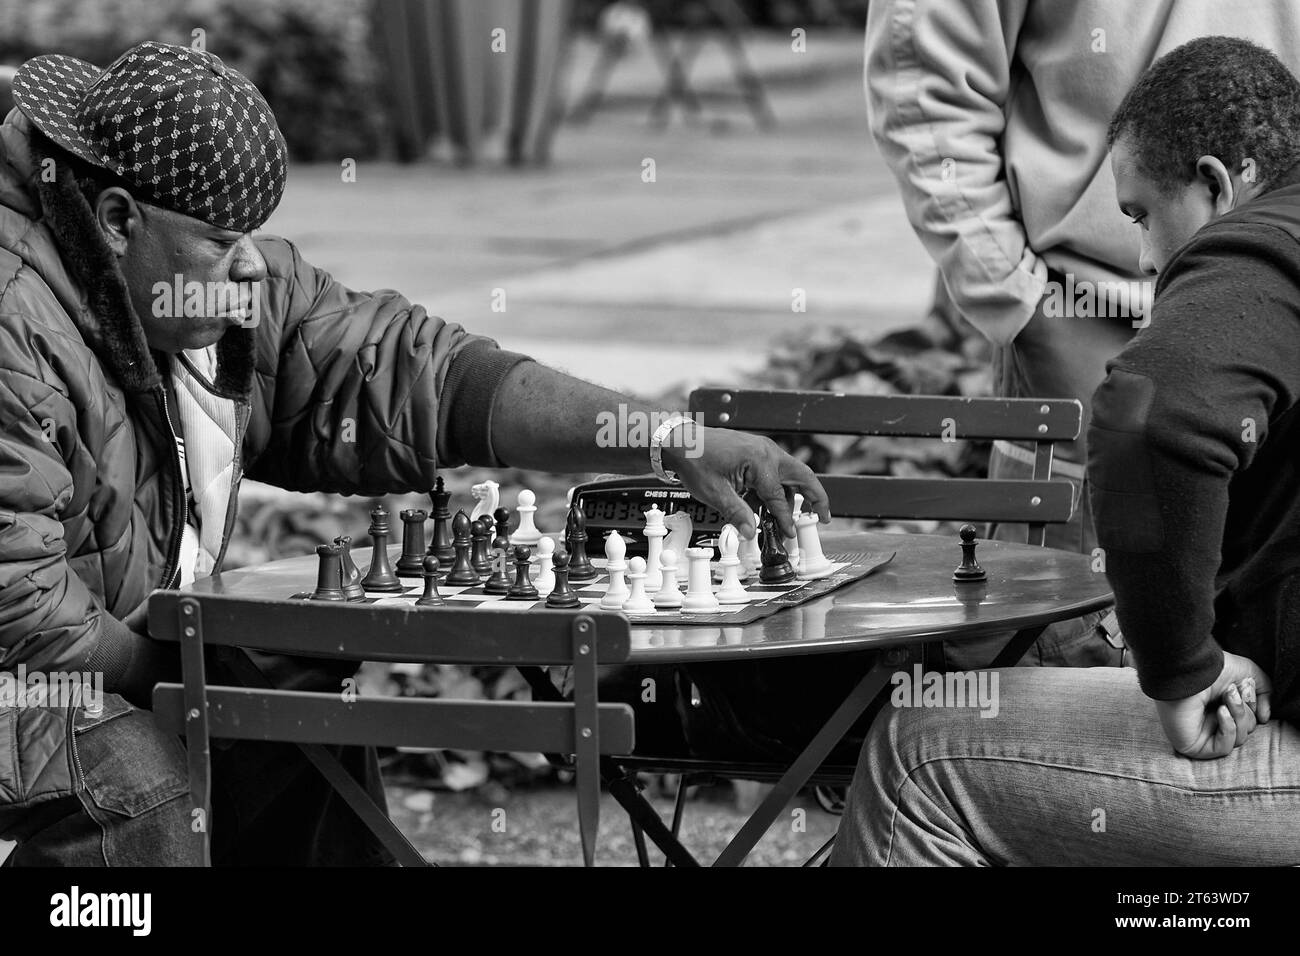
(620,504)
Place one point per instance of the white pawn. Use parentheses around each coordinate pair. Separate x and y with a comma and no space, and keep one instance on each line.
(545,582)
(638,602)
(617,592)
(814,564)
(655,530)
(699,582)
(731,592)
(527,533)
(670,595)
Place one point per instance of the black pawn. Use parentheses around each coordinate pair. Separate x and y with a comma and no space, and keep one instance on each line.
(411,563)
(575,539)
(481,556)
(462,572)
(430,597)
(329,575)
(499,583)
(523,589)
(562,596)
(352,589)
(776,562)
(379,576)
(441,547)
(970,569)
(501,518)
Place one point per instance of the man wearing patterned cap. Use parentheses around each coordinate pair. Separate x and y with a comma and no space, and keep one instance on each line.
(120,192)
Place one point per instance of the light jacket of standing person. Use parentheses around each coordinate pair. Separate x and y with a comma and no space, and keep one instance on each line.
(992,115)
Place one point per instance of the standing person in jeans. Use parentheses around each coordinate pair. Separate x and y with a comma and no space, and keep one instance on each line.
(1192,467)
(992,115)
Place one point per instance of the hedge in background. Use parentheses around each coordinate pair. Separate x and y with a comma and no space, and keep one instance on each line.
(311,59)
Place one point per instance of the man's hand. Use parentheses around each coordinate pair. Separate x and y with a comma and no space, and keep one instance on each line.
(1220,718)
(729,463)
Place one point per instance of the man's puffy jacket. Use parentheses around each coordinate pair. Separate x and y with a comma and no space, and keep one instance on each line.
(334,390)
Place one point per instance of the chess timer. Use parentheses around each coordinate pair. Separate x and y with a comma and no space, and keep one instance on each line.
(619,504)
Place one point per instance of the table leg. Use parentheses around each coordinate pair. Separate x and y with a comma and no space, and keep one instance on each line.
(806,764)
(1017,647)
(621,788)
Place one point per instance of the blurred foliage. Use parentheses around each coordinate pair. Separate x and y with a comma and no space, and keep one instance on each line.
(931,359)
(311,59)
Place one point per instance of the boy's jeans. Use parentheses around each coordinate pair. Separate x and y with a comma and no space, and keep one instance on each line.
(1074,770)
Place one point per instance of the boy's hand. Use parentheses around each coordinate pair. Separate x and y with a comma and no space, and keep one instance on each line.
(1219,719)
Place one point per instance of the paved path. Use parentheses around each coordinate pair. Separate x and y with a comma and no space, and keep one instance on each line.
(644,285)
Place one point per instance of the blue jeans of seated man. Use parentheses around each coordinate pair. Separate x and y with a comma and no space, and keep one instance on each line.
(1085,641)
(1074,770)
(269,805)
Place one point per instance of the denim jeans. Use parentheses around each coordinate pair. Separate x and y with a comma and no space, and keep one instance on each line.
(269,805)
(1088,641)
(1073,770)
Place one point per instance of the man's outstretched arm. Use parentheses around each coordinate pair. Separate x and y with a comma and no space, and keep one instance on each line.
(544,419)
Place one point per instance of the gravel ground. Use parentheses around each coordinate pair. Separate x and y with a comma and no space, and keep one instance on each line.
(538,826)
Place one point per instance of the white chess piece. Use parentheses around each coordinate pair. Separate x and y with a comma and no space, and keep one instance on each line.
(731,592)
(814,564)
(638,602)
(699,582)
(488,494)
(751,554)
(527,533)
(670,595)
(680,528)
(792,544)
(545,582)
(654,536)
(617,592)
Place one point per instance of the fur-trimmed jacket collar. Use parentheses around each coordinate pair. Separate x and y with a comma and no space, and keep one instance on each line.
(108,322)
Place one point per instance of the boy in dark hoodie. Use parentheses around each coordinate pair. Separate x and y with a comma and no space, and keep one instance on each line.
(1194,463)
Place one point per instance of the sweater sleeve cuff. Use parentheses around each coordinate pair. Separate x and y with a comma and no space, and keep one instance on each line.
(468,396)
(1190,675)
(113,652)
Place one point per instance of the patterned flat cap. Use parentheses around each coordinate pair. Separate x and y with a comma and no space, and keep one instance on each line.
(191,134)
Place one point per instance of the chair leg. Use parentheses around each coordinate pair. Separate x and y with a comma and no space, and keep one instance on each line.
(823,852)
(638,838)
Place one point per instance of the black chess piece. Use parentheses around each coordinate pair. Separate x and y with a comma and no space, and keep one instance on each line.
(329,575)
(462,573)
(523,589)
(969,569)
(481,555)
(379,576)
(499,582)
(441,547)
(352,589)
(575,540)
(562,596)
(430,597)
(776,562)
(411,563)
(501,518)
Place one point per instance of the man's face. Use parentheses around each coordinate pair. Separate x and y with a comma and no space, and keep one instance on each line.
(1170,217)
(1167,218)
(218,270)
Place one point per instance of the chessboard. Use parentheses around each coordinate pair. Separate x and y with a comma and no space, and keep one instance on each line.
(767,599)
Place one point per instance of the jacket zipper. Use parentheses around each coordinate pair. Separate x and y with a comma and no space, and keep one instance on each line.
(171,570)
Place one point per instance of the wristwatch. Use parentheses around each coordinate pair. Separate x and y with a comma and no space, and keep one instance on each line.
(657,445)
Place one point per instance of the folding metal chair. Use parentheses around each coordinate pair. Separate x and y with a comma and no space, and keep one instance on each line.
(582,727)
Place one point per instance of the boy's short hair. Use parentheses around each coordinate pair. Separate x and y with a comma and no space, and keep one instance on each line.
(1217,96)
